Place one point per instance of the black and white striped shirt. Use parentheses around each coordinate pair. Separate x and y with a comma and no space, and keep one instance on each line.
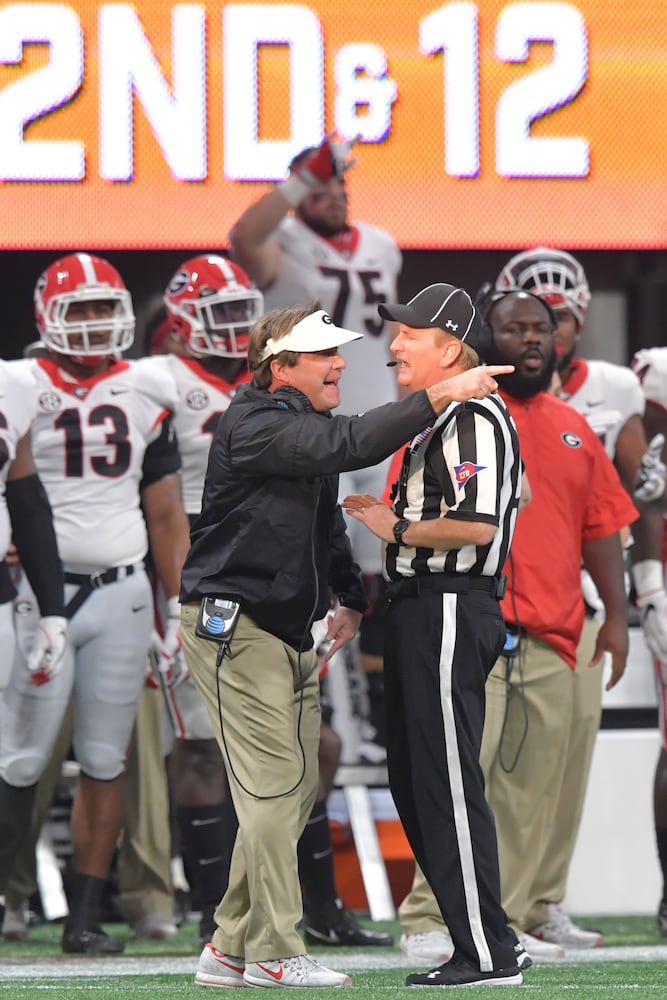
(466,466)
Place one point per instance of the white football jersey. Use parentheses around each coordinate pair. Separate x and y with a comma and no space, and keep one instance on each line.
(202,398)
(607,395)
(18,406)
(88,441)
(350,284)
(650,367)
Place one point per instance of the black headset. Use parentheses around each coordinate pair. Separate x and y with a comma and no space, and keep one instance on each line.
(481,339)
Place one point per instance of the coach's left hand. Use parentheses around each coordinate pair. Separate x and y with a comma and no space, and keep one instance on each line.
(372,512)
(343,625)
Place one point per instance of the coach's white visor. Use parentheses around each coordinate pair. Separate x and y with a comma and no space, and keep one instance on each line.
(316,332)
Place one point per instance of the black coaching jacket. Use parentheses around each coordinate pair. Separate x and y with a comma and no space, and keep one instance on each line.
(270,533)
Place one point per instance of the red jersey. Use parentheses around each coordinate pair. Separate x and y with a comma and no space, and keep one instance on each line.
(577,495)
(393,474)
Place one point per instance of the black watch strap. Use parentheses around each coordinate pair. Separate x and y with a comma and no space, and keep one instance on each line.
(399,527)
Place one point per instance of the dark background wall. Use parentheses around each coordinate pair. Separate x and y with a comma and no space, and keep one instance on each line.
(640,275)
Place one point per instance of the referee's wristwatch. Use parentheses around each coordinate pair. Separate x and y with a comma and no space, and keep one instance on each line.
(399,528)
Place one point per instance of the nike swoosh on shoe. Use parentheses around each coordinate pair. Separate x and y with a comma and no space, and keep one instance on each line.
(274,975)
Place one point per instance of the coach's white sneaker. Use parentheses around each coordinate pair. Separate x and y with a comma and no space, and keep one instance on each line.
(298,970)
(15,923)
(538,949)
(559,929)
(155,927)
(427,947)
(217,969)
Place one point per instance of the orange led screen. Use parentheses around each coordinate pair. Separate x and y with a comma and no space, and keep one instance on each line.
(153,125)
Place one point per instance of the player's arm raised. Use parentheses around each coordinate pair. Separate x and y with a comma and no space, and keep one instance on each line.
(252,243)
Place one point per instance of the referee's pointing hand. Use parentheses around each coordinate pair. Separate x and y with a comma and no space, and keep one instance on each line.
(476,383)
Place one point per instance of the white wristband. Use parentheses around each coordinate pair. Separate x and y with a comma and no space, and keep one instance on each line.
(173,607)
(649,577)
(294,189)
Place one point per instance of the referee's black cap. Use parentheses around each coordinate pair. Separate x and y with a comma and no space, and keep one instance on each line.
(442,305)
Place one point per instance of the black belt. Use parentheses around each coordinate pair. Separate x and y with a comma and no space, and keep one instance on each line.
(95,580)
(446,583)
(88,582)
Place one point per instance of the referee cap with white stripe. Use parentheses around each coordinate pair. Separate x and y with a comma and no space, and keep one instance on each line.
(442,305)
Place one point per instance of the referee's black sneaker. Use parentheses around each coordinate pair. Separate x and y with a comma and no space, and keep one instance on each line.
(523,959)
(337,926)
(662,918)
(90,941)
(458,972)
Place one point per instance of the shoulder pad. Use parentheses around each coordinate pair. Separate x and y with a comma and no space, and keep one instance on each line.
(154,377)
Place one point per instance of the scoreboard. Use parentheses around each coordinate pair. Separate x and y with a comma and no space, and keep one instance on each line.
(480,125)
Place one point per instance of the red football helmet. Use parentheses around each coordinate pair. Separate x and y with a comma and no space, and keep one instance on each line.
(214,305)
(67,321)
(553,275)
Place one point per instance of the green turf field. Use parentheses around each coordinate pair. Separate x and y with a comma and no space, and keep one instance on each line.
(633,962)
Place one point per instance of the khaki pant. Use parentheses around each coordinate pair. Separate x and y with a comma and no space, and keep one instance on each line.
(144,857)
(263,702)
(551,871)
(524,750)
(419,912)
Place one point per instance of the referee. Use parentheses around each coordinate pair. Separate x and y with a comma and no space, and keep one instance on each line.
(447,536)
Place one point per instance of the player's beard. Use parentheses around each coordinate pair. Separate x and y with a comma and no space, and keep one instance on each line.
(520,384)
(563,361)
(325,229)
(321,226)
(524,386)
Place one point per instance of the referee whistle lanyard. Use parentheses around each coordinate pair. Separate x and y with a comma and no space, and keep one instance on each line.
(424,435)
(416,444)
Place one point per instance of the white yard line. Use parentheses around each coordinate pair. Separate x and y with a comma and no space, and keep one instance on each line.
(93,968)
